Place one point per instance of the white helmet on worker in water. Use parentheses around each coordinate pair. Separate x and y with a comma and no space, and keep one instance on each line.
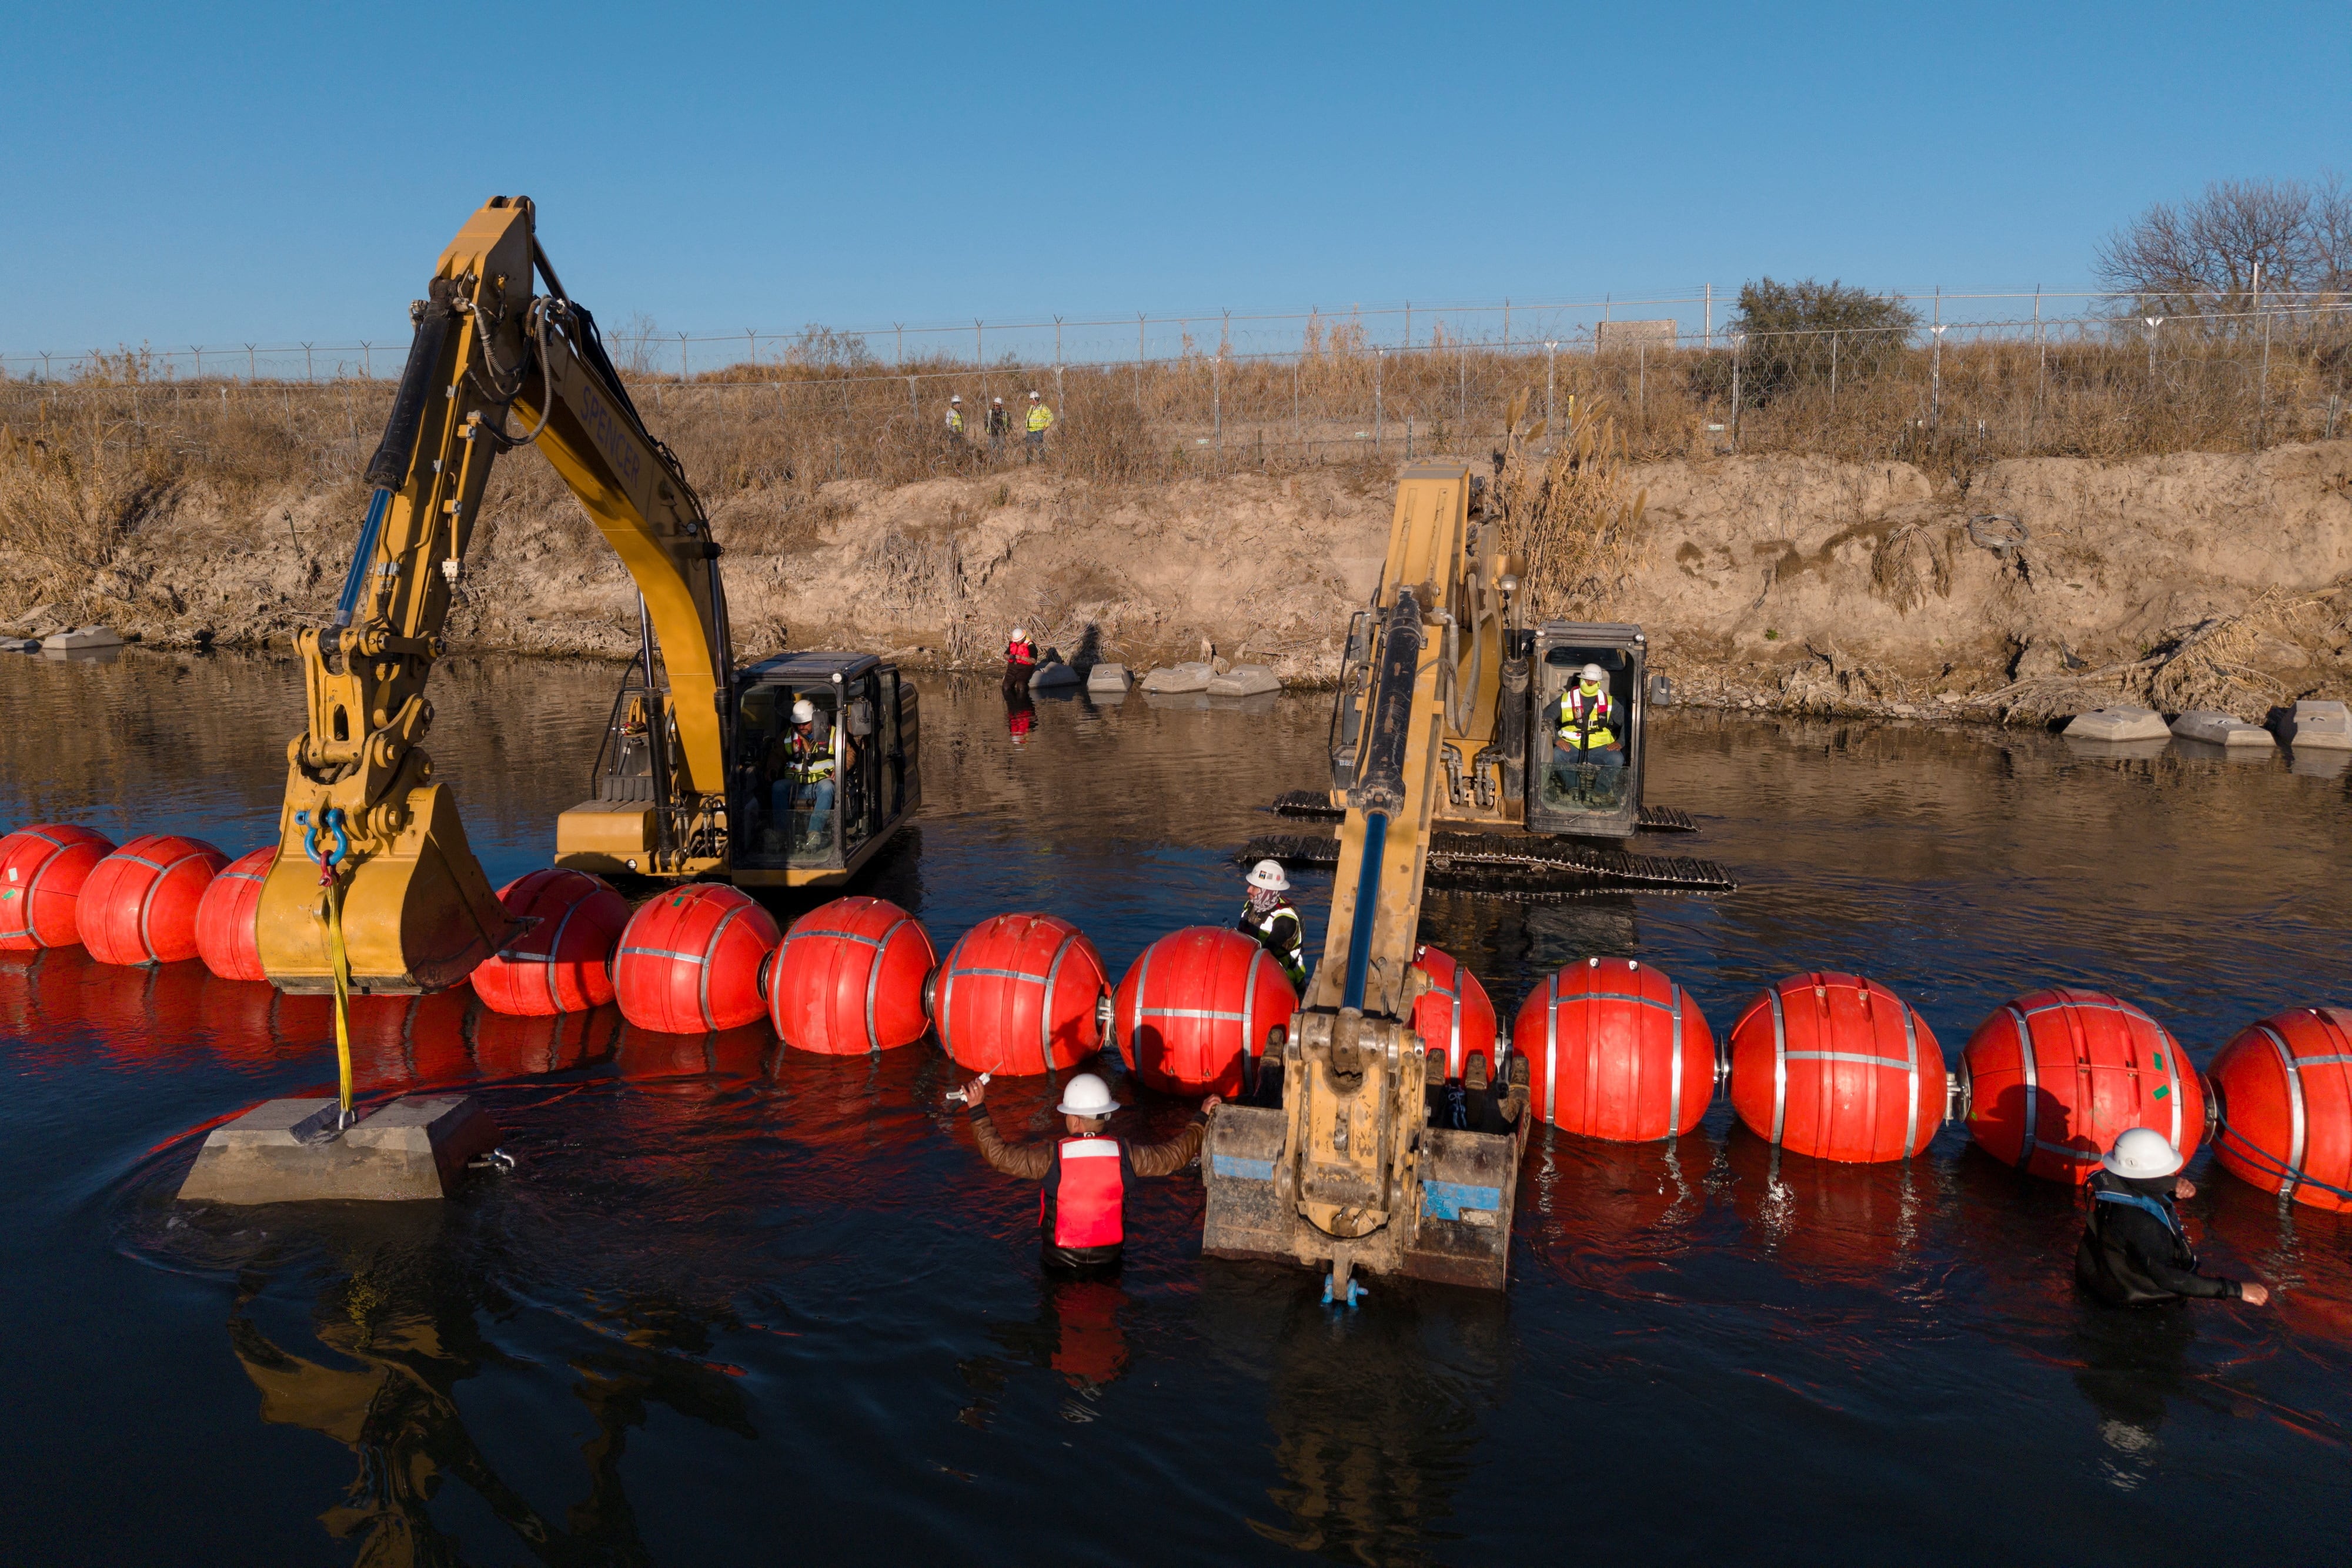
(1269,875)
(1019,636)
(804,712)
(2143,1153)
(1085,1095)
(1593,674)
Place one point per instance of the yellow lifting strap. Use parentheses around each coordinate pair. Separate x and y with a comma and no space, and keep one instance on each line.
(342,966)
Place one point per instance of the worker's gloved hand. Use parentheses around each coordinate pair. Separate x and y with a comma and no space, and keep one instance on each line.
(2185,1189)
(2253,1294)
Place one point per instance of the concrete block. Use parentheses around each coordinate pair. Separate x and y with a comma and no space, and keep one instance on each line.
(2220,729)
(1194,676)
(81,638)
(1049,676)
(288,1150)
(20,644)
(1111,679)
(2118,723)
(2318,726)
(1244,681)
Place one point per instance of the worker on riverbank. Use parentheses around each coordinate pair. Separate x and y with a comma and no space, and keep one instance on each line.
(955,416)
(1267,914)
(1082,1213)
(2133,1252)
(1041,420)
(1000,425)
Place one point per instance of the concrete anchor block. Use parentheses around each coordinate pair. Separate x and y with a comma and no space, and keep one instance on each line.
(2220,729)
(1049,676)
(1194,676)
(2318,726)
(288,1150)
(81,638)
(2118,723)
(20,644)
(1244,681)
(1110,678)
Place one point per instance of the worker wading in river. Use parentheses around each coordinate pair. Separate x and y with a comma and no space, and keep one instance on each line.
(1082,1213)
(1267,915)
(2133,1252)
(1020,663)
(1041,420)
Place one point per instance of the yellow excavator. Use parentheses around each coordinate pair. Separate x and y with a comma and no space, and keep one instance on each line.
(1443,751)
(707,771)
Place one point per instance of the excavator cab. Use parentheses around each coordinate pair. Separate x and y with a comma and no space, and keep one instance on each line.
(1585,760)
(810,808)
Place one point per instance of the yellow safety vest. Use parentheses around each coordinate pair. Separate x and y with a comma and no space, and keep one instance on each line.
(1587,727)
(811,764)
(1040,416)
(1292,956)
(955,419)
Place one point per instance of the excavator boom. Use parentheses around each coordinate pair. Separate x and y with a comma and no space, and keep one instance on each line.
(373,871)
(1348,1174)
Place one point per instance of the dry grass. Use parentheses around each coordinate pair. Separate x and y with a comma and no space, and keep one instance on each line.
(1566,510)
(65,513)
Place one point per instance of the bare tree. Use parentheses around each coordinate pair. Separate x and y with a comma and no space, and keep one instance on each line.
(2209,256)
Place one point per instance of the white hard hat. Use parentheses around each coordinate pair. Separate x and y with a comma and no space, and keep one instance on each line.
(2143,1153)
(958,398)
(1593,673)
(1269,875)
(1085,1095)
(804,712)
(1032,397)
(1018,635)
(996,400)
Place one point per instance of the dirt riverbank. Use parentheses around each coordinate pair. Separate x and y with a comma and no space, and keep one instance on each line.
(2025,590)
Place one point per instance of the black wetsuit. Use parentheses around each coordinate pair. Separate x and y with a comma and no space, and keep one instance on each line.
(2132,1251)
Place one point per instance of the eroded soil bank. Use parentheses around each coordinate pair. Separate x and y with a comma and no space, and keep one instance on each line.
(2027,588)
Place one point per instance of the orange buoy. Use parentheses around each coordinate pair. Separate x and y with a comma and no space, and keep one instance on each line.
(2054,1076)
(849,978)
(690,960)
(226,940)
(1196,1004)
(1021,994)
(42,870)
(1837,1067)
(1454,1015)
(563,961)
(138,905)
(1616,1049)
(2283,1088)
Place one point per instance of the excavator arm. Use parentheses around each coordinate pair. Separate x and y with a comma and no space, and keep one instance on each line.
(371,850)
(1348,1174)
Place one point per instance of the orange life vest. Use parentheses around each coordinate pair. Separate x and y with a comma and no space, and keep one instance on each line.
(1084,1202)
(1022,653)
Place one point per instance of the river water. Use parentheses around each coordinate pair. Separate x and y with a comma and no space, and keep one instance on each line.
(739,1302)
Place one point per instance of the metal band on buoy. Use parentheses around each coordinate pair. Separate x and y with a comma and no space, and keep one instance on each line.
(874,976)
(2295,1112)
(1551,1046)
(1674,1071)
(33,882)
(1780,1065)
(1911,1077)
(2032,1086)
(1045,1007)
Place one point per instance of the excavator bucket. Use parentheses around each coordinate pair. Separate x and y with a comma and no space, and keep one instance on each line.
(416,916)
(1459,1233)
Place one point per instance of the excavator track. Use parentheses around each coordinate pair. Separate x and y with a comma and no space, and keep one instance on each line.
(1317,807)
(1513,862)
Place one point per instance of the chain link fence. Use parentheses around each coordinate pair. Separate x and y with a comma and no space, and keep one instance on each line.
(1977,378)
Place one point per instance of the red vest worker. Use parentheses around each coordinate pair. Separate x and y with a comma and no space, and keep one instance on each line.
(1082,1213)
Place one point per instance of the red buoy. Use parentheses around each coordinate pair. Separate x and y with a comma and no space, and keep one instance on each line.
(849,978)
(42,870)
(1021,994)
(563,961)
(690,961)
(1837,1067)
(226,940)
(1194,1004)
(1616,1049)
(1454,1015)
(138,905)
(2284,1089)
(2052,1077)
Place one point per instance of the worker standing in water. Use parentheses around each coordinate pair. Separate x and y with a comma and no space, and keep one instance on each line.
(2133,1252)
(1041,420)
(1267,914)
(1082,1213)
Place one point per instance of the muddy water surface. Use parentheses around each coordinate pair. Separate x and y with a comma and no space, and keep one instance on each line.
(742,1304)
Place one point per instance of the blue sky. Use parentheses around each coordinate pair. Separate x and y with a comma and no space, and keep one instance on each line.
(178,173)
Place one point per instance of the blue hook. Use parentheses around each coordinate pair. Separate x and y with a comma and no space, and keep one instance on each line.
(1356,1292)
(334,815)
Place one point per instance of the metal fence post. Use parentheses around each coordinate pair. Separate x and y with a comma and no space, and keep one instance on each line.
(1833,371)
(1380,357)
(1936,378)
(1739,347)
(1217,399)
(2263,408)
(252,375)
(913,406)
(1551,383)
(1708,320)
(681,358)
(1297,426)
(308,373)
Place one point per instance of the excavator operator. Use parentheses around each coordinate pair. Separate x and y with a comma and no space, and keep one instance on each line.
(800,766)
(1587,735)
